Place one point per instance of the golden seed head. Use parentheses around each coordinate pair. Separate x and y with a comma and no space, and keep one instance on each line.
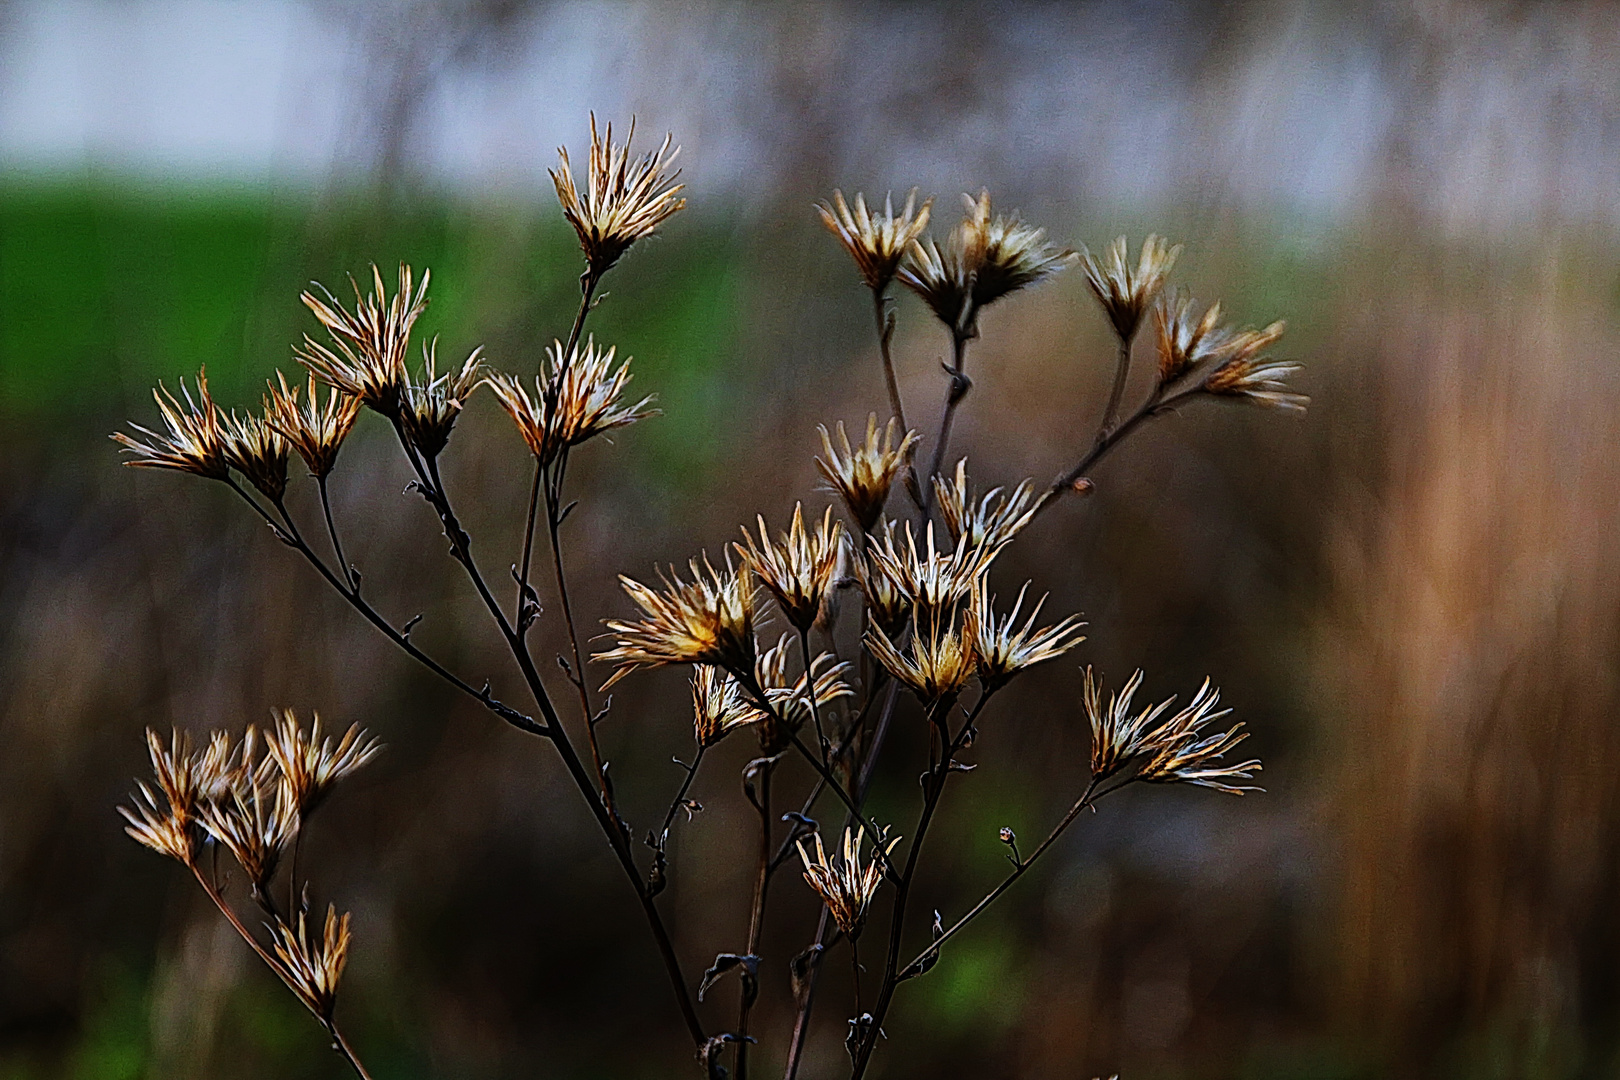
(167,830)
(1125,293)
(877,243)
(314,430)
(625,199)
(575,400)
(255,821)
(370,346)
(1169,751)
(195,441)
(719,704)
(1002,648)
(788,697)
(258,451)
(887,604)
(709,620)
(982,260)
(309,765)
(844,884)
(431,406)
(932,581)
(1248,374)
(992,521)
(935,666)
(310,968)
(798,568)
(863,475)
(1187,339)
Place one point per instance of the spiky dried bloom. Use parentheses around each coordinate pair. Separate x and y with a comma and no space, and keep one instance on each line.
(1117,737)
(931,580)
(983,259)
(1002,648)
(992,521)
(310,968)
(887,605)
(1248,374)
(1188,340)
(370,345)
(194,442)
(1182,754)
(315,430)
(573,402)
(709,620)
(719,705)
(432,404)
(935,666)
(258,451)
(844,884)
(256,819)
(625,199)
(169,829)
(310,766)
(1125,293)
(864,475)
(797,569)
(877,243)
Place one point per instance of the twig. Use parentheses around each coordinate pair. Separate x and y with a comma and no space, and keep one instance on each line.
(958,389)
(756,918)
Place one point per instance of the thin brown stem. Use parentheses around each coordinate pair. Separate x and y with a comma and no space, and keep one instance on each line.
(815,709)
(756,916)
(341,1045)
(331,530)
(1122,369)
(959,386)
(1155,405)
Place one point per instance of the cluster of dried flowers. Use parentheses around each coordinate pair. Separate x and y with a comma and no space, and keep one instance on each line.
(919,584)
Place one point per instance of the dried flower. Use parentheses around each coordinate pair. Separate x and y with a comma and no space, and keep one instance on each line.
(789,699)
(258,451)
(1187,339)
(167,831)
(370,345)
(625,199)
(573,402)
(431,406)
(315,430)
(194,442)
(255,820)
(1249,375)
(936,664)
(844,885)
(1117,737)
(876,243)
(995,519)
(1180,755)
(311,969)
(719,704)
(310,765)
(885,602)
(982,260)
(1002,648)
(707,621)
(1125,294)
(932,581)
(863,476)
(798,568)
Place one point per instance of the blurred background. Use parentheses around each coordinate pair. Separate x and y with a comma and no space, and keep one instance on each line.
(1409,595)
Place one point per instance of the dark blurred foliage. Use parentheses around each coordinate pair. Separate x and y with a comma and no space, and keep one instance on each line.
(1409,596)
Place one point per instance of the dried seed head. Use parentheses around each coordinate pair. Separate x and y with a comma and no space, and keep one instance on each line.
(575,400)
(789,698)
(624,199)
(431,406)
(1170,751)
(995,519)
(168,830)
(935,666)
(844,884)
(315,430)
(798,568)
(1248,374)
(934,582)
(719,704)
(1002,648)
(1125,293)
(310,766)
(310,968)
(255,820)
(863,475)
(367,358)
(194,442)
(1187,339)
(888,606)
(982,260)
(258,451)
(876,243)
(709,620)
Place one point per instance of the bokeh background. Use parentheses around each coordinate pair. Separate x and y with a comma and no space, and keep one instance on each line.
(1409,595)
